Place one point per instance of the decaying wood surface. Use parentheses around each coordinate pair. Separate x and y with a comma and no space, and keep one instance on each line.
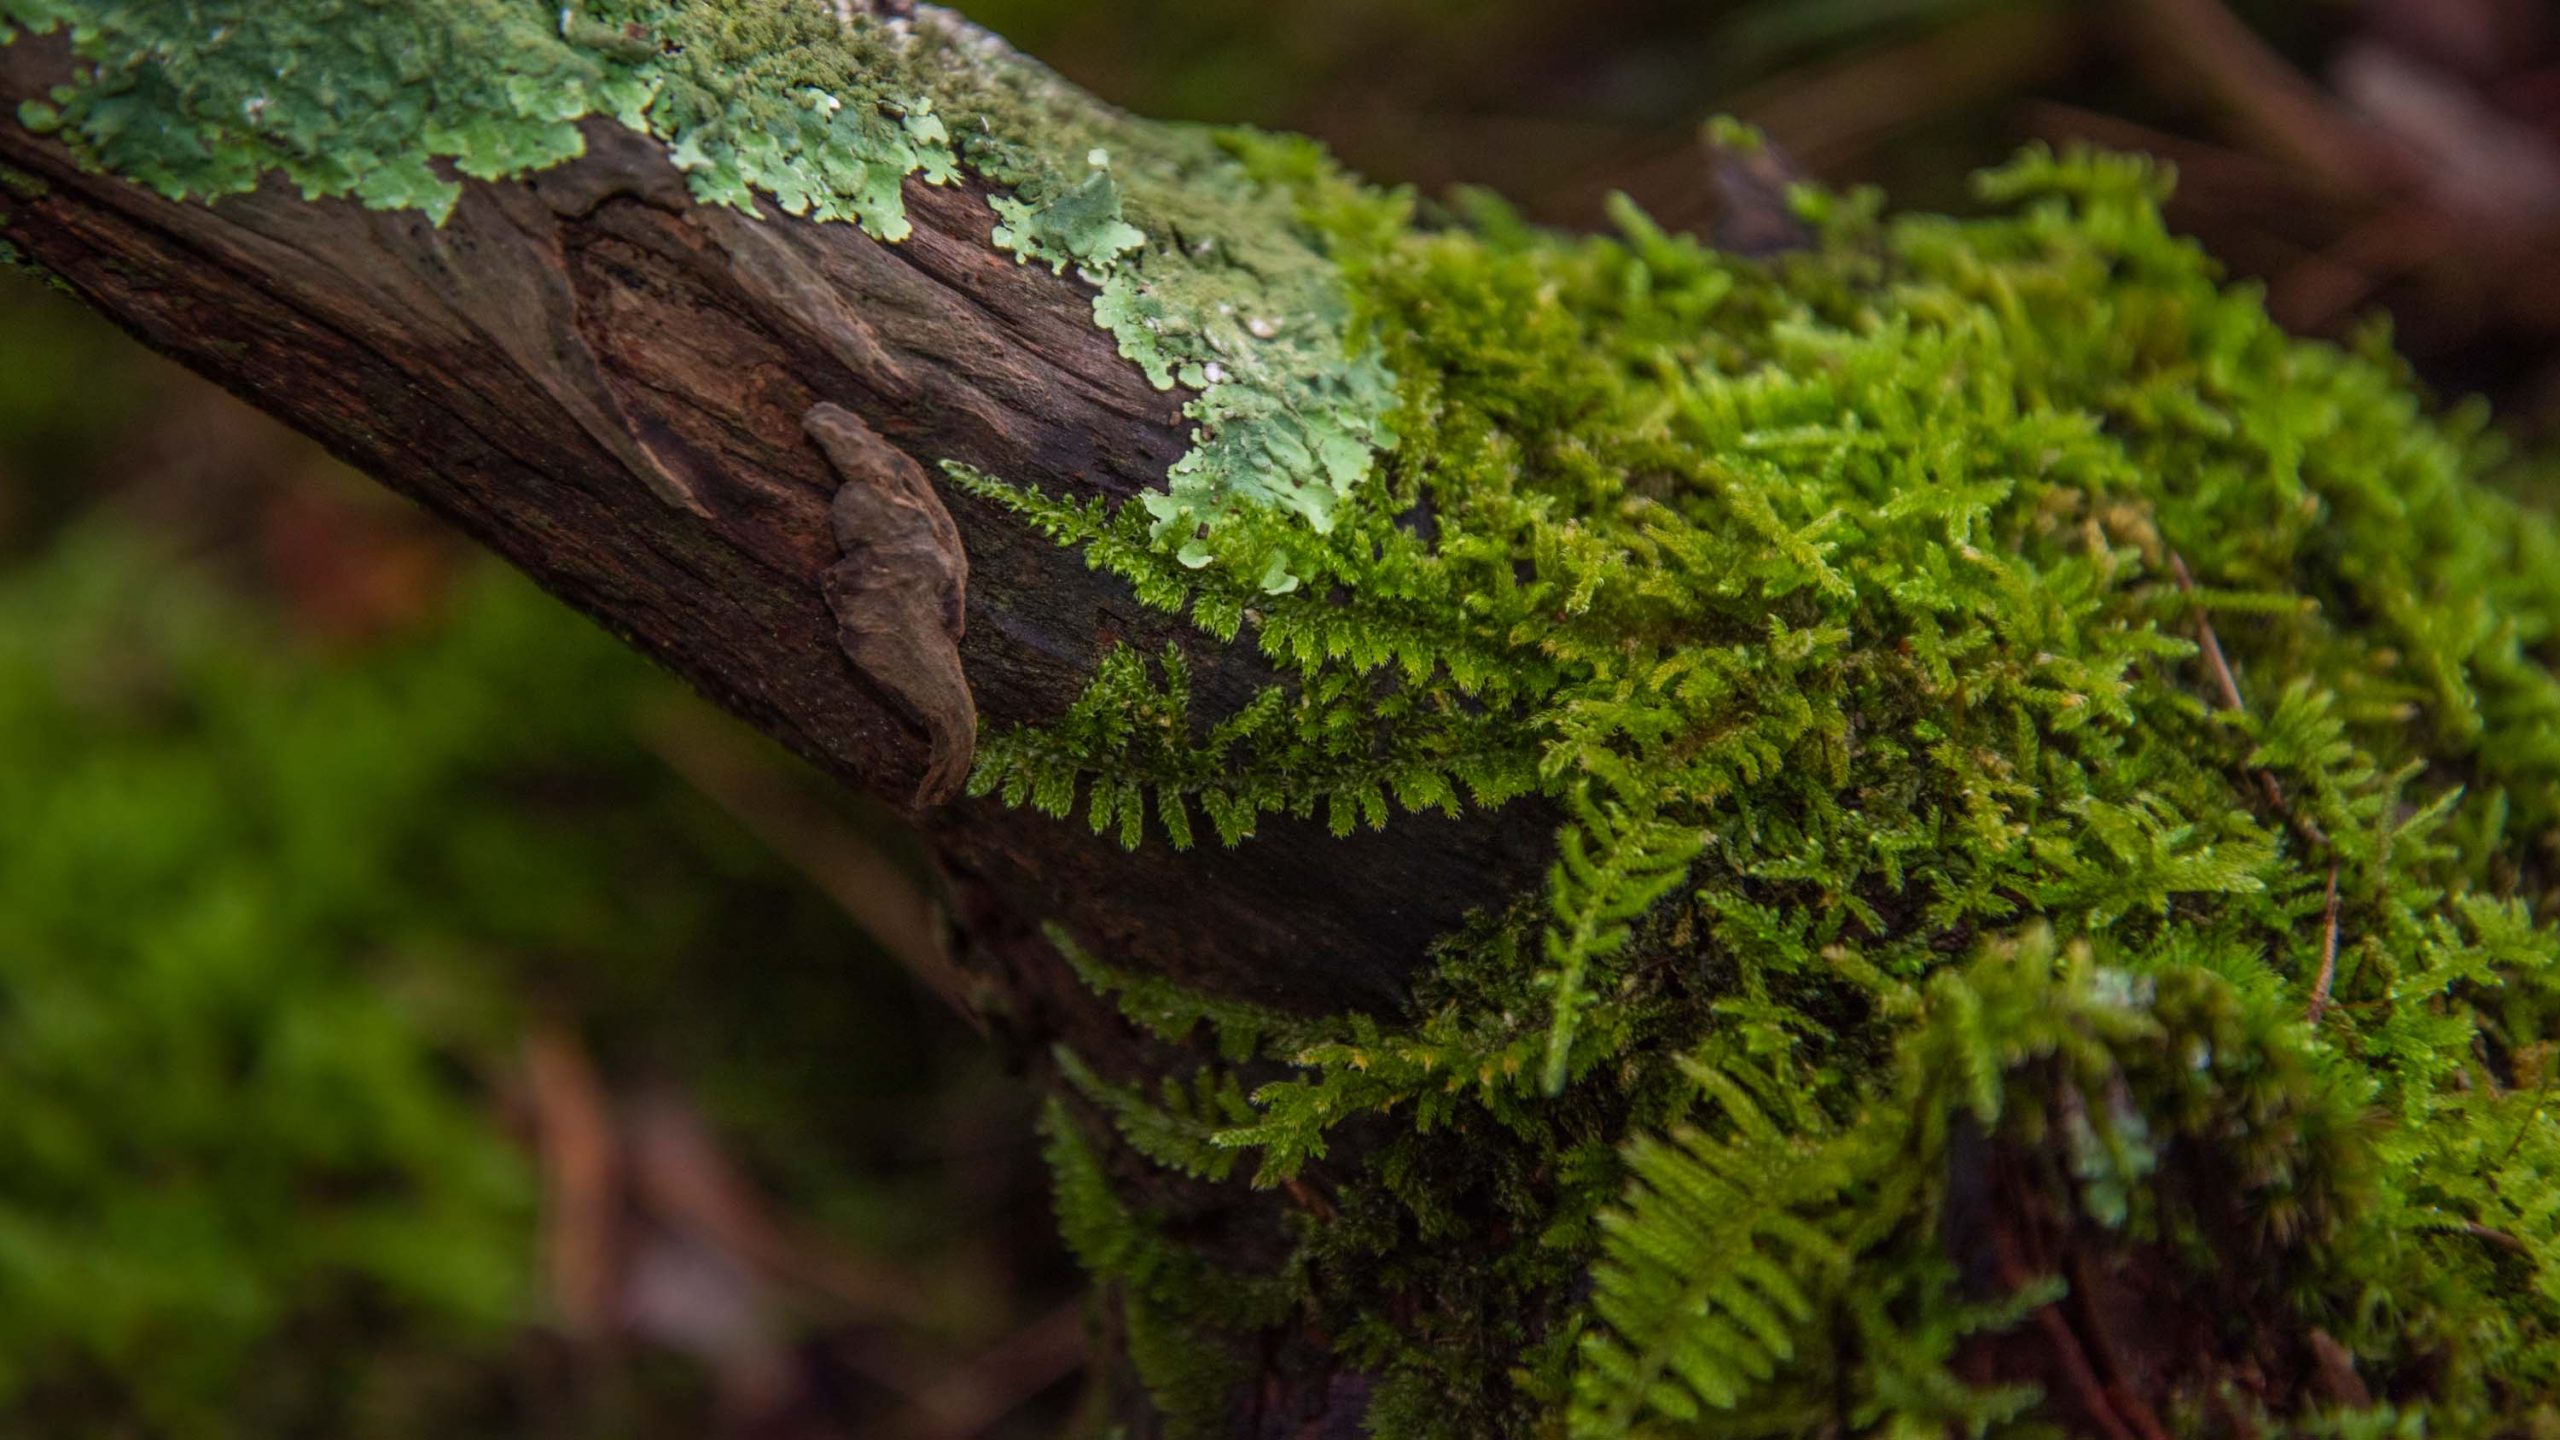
(633,398)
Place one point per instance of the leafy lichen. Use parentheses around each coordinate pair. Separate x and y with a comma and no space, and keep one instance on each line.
(1080,225)
(1204,273)
(1848,603)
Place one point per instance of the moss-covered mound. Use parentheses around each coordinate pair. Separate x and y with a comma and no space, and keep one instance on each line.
(2062,782)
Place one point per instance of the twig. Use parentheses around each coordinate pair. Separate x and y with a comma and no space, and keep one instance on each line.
(2068,1348)
(1309,1198)
(2229,685)
(2322,290)
(682,1179)
(1832,114)
(2303,825)
(582,1168)
(2202,44)
(2099,1344)
(2489,1235)
(2222,675)
(974,1396)
(2328,951)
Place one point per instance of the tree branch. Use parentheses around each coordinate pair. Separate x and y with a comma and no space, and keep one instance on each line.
(605,382)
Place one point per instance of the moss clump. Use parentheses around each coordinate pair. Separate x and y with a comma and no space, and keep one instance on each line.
(1849,603)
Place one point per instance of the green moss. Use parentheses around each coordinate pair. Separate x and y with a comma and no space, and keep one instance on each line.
(1180,1128)
(1204,272)
(1837,600)
(1193,1380)
(1750,1234)
(1188,1318)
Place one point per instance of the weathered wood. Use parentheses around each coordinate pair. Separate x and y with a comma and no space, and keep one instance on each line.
(605,382)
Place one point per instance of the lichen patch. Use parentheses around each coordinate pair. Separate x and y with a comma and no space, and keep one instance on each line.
(1207,276)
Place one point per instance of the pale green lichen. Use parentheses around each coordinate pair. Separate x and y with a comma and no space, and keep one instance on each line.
(1207,278)
(364,100)
(1079,225)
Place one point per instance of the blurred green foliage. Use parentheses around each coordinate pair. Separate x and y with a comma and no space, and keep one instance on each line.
(237,1073)
(272,916)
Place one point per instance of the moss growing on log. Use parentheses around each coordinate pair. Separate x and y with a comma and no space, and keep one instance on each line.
(1202,271)
(2063,783)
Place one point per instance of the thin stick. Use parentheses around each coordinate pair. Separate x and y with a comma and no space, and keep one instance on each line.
(712,756)
(582,1164)
(2499,1238)
(2328,951)
(2213,656)
(2307,828)
(2229,685)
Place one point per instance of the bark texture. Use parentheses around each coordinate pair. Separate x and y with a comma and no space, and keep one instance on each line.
(633,398)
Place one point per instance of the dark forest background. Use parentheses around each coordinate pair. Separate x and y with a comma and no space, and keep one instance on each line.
(418,1017)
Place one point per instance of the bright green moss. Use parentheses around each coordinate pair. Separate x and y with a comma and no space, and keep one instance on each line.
(1205,274)
(1836,599)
